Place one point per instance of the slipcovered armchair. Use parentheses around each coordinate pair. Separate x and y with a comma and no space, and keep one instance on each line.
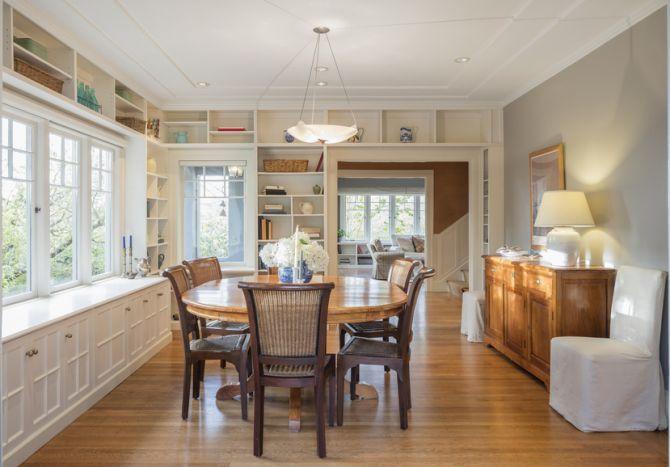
(615,383)
(382,260)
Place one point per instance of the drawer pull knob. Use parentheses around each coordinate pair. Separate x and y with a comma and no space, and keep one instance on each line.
(68,335)
(493,269)
(538,282)
(160,294)
(145,301)
(127,308)
(30,353)
(36,352)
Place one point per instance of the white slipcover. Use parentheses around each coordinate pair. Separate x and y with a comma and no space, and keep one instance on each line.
(615,384)
(472,315)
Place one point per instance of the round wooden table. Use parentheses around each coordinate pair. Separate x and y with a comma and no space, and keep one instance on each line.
(353,300)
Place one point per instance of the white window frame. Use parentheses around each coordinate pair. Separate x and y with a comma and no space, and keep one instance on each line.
(245,181)
(114,208)
(43,122)
(79,235)
(34,286)
(392,213)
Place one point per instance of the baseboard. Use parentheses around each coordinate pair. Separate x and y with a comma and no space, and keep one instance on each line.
(40,437)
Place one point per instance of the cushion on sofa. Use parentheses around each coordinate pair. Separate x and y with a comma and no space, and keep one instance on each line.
(378,245)
(405,243)
(419,244)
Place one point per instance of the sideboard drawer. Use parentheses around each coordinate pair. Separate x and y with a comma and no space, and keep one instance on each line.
(540,283)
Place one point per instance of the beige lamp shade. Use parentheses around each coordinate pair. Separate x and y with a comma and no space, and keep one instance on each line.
(564,208)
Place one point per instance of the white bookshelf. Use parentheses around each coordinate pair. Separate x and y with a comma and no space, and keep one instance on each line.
(349,256)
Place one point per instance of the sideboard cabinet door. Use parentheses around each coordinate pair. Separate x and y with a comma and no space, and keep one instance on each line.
(495,304)
(77,357)
(15,397)
(540,326)
(516,326)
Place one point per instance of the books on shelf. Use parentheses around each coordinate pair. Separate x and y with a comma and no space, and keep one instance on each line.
(313,232)
(273,209)
(274,190)
(231,128)
(264,229)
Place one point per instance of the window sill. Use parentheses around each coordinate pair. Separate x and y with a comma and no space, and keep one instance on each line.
(25,317)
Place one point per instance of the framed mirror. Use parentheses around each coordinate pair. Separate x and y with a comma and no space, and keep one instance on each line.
(546,174)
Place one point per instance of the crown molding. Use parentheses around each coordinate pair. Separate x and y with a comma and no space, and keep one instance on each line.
(621,26)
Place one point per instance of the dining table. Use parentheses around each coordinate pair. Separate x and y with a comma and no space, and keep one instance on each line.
(353,300)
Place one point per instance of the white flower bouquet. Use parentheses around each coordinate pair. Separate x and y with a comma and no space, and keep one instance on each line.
(289,251)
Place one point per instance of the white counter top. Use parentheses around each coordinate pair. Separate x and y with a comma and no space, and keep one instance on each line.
(25,317)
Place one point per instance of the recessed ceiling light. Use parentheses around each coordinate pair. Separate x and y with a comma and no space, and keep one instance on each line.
(202,84)
(321,83)
(462,59)
(321,68)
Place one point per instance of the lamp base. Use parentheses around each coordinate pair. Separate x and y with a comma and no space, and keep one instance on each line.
(562,247)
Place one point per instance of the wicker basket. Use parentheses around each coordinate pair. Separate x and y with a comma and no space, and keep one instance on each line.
(285,165)
(134,123)
(35,74)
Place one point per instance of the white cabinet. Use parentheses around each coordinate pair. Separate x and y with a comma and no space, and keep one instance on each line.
(77,357)
(14,394)
(135,327)
(164,316)
(109,340)
(48,372)
(45,369)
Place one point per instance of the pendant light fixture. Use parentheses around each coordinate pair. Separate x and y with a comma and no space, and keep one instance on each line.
(319,132)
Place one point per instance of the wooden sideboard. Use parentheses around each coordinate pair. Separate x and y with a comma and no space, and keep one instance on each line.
(528,303)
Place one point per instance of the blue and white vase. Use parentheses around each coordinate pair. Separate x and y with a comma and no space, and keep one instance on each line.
(288,275)
(285,275)
(406,135)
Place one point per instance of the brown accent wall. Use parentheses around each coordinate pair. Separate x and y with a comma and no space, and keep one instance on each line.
(450,186)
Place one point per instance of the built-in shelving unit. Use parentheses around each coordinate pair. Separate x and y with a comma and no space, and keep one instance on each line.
(485,202)
(353,255)
(158,211)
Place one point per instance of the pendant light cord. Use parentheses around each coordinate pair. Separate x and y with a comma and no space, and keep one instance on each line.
(267,88)
(339,74)
(309,78)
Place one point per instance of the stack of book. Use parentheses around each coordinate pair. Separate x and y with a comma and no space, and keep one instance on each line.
(231,128)
(313,232)
(274,190)
(273,209)
(264,229)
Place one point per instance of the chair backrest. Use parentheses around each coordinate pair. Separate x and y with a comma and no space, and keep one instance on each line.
(287,323)
(407,315)
(203,270)
(401,272)
(188,322)
(637,307)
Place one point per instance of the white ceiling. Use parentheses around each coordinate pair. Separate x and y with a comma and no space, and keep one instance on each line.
(389,51)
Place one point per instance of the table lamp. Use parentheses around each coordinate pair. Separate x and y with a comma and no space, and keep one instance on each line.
(563,210)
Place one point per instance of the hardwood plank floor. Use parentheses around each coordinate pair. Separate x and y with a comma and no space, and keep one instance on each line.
(471,407)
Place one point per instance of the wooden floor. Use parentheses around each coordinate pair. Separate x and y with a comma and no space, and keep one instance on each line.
(471,407)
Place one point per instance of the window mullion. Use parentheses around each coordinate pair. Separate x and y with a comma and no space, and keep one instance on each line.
(391,215)
(83,252)
(42,218)
(367,215)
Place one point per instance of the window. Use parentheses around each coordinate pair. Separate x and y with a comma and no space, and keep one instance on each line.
(58,204)
(63,209)
(102,160)
(17,209)
(370,217)
(214,212)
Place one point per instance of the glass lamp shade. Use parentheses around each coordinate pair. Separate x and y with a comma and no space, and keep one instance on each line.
(328,134)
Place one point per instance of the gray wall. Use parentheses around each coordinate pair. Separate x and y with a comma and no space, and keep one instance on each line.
(610,111)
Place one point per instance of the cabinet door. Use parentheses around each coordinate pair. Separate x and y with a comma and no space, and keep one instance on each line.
(494,308)
(77,357)
(150,313)
(110,340)
(516,326)
(135,327)
(15,398)
(164,316)
(45,370)
(539,312)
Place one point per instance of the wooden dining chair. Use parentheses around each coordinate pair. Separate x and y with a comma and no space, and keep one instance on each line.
(396,355)
(288,347)
(233,348)
(400,274)
(203,270)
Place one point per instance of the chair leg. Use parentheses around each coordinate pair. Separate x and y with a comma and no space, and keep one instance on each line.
(408,386)
(186,390)
(319,399)
(259,403)
(386,322)
(402,399)
(342,336)
(202,370)
(243,376)
(197,369)
(223,363)
(352,384)
(341,370)
(331,399)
